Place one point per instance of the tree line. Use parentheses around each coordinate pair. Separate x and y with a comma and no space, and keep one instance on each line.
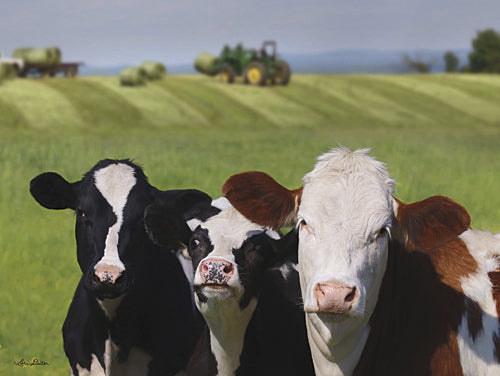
(484,57)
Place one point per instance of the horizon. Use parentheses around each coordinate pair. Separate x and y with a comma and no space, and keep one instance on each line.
(107,33)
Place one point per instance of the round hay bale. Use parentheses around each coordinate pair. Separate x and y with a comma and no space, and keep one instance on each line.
(7,71)
(39,56)
(207,64)
(154,70)
(133,76)
(56,54)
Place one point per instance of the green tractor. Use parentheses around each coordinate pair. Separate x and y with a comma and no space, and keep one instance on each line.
(256,67)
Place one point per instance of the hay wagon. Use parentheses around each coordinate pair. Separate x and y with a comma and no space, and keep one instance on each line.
(44,62)
(67,69)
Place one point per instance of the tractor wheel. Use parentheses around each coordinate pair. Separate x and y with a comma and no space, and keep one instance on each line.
(227,74)
(256,74)
(283,73)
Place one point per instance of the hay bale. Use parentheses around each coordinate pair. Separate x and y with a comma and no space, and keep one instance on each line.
(154,70)
(133,76)
(7,71)
(207,64)
(49,56)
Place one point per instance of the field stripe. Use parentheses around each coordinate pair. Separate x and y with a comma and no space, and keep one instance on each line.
(11,112)
(342,109)
(420,108)
(440,91)
(357,91)
(269,104)
(158,106)
(216,106)
(97,105)
(41,106)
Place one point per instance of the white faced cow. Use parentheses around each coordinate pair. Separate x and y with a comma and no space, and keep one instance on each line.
(132,312)
(389,288)
(251,306)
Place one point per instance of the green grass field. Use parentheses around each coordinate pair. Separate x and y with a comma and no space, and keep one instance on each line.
(439,134)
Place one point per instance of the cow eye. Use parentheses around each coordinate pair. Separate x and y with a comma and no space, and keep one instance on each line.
(383,231)
(194,243)
(304,226)
(81,214)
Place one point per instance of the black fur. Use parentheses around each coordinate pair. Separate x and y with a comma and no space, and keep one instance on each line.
(156,313)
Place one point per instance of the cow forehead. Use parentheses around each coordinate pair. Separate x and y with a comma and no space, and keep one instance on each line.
(349,189)
(228,230)
(115,183)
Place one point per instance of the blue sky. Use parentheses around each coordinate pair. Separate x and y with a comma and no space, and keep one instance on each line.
(111,32)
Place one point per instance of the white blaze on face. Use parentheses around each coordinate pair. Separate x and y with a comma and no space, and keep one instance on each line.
(115,183)
(226,319)
(346,201)
(227,231)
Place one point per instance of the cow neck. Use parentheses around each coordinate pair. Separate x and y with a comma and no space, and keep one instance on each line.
(109,306)
(228,323)
(336,347)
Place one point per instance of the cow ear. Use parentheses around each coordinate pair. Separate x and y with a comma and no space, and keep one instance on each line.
(286,248)
(431,223)
(262,200)
(164,226)
(192,203)
(165,219)
(52,191)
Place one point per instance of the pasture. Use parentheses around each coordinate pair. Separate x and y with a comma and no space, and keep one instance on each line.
(439,134)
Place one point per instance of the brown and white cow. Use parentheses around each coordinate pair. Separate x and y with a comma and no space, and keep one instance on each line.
(389,288)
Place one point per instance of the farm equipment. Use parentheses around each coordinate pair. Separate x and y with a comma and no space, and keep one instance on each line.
(17,63)
(256,67)
(44,62)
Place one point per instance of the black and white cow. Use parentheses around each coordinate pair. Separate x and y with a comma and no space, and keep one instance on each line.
(247,289)
(132,312)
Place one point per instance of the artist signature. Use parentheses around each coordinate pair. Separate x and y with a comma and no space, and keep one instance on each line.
(30,363)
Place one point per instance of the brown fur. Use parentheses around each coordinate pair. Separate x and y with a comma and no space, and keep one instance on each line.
(421,303)
(432,222)
(261,199)
(495,280)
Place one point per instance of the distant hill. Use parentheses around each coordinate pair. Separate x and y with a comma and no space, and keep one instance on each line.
(365,61)
(339,62)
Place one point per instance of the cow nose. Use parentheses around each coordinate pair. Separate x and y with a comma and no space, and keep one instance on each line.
(216,271)
(107,273)
(335,297)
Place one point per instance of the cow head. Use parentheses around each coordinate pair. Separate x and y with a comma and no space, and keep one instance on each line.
(230,254)
(109,203)
(344,222)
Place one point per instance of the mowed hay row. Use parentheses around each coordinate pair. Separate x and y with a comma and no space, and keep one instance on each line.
(340,102)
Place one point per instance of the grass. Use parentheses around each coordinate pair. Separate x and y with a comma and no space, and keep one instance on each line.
(439,134)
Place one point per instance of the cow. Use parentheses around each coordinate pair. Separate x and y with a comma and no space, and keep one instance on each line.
(389,288)
(247,290)
(132,312)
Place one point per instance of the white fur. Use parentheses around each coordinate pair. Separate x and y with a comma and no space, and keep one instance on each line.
(477,356)
(227,321)
(115,183)
(109,306)
(135,365)
(347,200)
(95,369)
